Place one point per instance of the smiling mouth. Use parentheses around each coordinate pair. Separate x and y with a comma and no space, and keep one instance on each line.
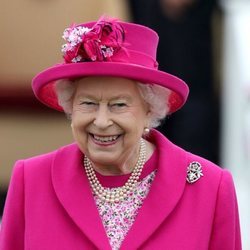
(105,139)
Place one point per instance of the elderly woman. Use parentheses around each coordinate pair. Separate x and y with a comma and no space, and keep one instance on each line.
(121,185)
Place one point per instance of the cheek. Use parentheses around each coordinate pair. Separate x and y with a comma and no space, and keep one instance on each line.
(140,119)
(134,123)
(80,135)
(80,119)
(79,125)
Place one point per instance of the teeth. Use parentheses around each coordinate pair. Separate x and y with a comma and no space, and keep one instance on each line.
(105,138)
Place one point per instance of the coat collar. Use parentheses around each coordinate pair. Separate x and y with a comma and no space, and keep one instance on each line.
(74,193)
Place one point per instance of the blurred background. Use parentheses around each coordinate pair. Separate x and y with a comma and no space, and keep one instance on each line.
(205,42)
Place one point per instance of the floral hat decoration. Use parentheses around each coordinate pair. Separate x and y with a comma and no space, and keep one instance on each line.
(109,47)
(98,43)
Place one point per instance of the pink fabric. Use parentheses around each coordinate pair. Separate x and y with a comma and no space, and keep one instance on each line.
(135,57)
(50,206)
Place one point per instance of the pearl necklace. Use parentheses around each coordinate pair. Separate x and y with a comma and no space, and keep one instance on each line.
(117,194)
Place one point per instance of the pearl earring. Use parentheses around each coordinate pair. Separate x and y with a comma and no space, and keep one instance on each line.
(146,130)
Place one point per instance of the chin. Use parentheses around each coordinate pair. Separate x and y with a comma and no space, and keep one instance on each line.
(103,158)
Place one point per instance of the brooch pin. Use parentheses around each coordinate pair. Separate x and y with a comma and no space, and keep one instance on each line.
(194,172)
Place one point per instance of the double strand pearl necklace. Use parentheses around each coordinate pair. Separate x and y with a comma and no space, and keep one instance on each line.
(117,194)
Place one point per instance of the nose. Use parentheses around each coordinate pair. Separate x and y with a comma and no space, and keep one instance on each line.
(102,117)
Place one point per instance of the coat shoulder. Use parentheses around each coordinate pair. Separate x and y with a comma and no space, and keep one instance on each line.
(180,158)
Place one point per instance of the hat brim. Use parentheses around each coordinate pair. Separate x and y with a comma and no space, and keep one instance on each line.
(43,84)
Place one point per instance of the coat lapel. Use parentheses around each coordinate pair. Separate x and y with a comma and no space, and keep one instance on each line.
(164,194)
(73,191)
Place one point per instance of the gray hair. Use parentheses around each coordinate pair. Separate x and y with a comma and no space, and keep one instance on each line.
(154,95)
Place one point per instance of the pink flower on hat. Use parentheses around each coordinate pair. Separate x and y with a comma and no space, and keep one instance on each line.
(98,43)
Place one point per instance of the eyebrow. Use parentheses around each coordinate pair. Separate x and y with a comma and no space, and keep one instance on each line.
(126,97)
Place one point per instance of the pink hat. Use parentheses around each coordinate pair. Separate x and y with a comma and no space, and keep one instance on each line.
(109,47)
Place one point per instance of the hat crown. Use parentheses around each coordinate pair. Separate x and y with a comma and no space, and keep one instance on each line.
(110,40)
(137,38)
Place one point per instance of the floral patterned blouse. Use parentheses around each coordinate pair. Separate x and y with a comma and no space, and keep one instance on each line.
(117,218)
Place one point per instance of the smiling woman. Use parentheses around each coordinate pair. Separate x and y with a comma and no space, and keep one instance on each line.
(122,184)
(107,108)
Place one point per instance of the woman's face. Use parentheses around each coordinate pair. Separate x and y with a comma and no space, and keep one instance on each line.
(108,120)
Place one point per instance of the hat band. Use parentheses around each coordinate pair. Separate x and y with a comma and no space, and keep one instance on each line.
(134,57)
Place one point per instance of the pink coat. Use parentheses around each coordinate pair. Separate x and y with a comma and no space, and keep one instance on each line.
(50,206)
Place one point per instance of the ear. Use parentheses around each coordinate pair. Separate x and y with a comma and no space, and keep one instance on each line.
(148,119)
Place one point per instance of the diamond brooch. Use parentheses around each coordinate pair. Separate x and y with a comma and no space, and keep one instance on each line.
(194,172)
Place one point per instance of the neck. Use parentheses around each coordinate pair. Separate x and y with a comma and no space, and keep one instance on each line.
(113,170)
(121,168)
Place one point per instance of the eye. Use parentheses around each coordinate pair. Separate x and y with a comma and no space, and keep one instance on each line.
(88,106)
(119,105)
(88,103)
